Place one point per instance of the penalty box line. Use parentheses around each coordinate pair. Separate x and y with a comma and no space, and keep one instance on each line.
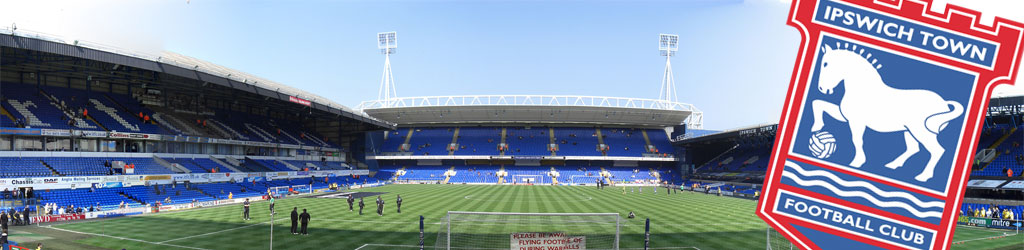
(123,238)
(221,231)
(431,247)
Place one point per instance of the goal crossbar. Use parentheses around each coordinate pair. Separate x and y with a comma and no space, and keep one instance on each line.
(503,230)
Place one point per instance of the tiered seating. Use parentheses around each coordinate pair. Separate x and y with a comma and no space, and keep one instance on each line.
(250,165)
(743,158)
(328,165)
(70,166)
(27,103)
(623,142)
(577,141)
(533,141)
(11,167)
(423,173)
(475,139)
(149,195)
(106,198)
(578,174)
(394,141)
(145,165)
(189,164)
(223,189)
(72,104)
(475,174)
(660,140)
(274,165)
(431,141)
(134,108)
(991,133)
(1008,152)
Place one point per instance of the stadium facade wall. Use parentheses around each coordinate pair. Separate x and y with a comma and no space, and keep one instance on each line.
(42,183)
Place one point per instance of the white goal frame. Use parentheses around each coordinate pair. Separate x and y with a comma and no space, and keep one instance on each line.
(544,179)
(284,190)
(448,222)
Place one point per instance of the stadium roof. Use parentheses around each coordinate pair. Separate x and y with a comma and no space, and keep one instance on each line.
(173,72)
(533,109)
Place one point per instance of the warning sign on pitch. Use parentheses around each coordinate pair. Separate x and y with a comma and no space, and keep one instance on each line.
(547,241)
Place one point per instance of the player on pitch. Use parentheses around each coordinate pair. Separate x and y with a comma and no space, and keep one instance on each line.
(350,200)
(380,206)
(245,210)
(361,205)
(399,203)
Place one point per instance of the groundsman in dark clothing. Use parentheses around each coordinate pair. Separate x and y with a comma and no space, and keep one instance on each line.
(295,220)
(399,203)
(361,205)
(304,218)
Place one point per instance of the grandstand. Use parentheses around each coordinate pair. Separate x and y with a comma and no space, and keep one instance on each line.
(125,135)
(117,131)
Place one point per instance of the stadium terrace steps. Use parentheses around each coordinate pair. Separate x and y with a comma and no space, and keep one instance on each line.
(263,165)
(54,171)
(113,115)
(553,178)
(235,133)
(5,113)
(317,140)
(260,132)
(504,136)
(455,141)
(552,141)
(224,164)
(501,179)
(174,124)
(217,128)
(176,168)
(408,137)
(448,177)
(288,165)
(289,136)
(30,118)
(713,160)
(647,140)
(996,146)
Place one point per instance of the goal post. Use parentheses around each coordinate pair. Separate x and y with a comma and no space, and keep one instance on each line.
(776,241)
(531,178)
(496,230)
(283,191)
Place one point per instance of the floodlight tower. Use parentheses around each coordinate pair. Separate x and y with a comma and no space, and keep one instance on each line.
(668,45)
(387,42)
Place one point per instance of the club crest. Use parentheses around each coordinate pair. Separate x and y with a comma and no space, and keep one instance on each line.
(881,122)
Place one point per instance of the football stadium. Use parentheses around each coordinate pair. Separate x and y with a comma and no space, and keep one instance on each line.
(105,148)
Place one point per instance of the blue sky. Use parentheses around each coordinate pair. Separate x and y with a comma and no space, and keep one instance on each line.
(734,61)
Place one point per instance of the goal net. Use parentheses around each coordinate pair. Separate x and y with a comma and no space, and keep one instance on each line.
(531,179)
(776,241)
(283,191)
(492,230)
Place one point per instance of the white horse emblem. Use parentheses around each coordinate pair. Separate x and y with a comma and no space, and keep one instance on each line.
(870,103)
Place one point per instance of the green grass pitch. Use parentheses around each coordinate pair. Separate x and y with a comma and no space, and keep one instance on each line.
(695,221)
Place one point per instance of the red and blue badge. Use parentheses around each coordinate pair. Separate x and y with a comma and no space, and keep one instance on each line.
(881,122)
